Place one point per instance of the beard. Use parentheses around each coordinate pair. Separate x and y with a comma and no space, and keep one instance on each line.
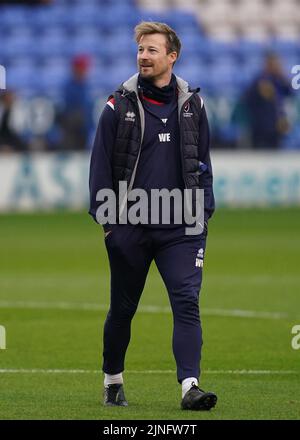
(150,74)
(146,73)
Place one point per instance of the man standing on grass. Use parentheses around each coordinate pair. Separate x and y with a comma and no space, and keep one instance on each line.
(153,134)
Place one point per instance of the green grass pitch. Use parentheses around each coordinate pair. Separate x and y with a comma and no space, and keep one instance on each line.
(54,289)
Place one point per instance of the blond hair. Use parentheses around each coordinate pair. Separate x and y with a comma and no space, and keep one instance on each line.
(173,43)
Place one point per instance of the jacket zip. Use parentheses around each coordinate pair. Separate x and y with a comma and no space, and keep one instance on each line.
(181,140)
(132,177)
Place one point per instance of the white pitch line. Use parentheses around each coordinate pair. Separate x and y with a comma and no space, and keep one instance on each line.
(63,305)
(79,371)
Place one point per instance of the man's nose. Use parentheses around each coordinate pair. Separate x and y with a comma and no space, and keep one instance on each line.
(143,55)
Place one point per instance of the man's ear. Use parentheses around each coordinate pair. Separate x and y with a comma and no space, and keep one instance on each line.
(172,57)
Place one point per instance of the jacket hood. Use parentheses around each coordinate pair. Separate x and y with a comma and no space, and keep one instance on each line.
(184,91)
(131,84)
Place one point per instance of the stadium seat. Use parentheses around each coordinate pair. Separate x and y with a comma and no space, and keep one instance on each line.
(14,46)
(54,31)
(214,48)
(20,77)
(51,15)
(285,46)
(195,72)
(222,54)
(85,44)
(116,45)
(14,15)
(82,14)
(251,47)
(53,45)
(122,16)
(180,18)
(192,44)
(53,75)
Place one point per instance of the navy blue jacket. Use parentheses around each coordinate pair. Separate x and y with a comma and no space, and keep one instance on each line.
(159,165)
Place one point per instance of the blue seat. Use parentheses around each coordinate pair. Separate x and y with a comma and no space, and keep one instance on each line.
(59,65)
(115,16)
(123,30)
(40,17)
(216,48)
(175,18)
(101,80)
(90,31)
(180,19)
(191,44)
(53,78)
(53,45)
(118,45)
(54,31)
(22,61)
(248,47)
(110,78)
(224,75)
(252,65)
(95,75)
(20,31)
(14,46)
(14,15)
(195,73)
(129,67)
(116,3)
(20,77)
(285,46)
(85,44)
(80,2)
(86,15)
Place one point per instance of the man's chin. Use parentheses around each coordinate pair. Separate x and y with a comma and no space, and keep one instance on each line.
(148,76)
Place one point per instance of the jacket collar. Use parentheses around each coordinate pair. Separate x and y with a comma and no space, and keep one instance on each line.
(131,85)
(184,91)
(184,94)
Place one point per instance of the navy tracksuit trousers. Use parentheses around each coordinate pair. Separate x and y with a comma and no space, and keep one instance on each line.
(131,249)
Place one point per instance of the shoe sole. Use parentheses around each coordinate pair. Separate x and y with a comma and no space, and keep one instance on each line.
(115,404)
(205,403)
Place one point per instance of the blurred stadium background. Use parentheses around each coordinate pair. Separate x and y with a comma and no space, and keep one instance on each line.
(224,46)
(62,60)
